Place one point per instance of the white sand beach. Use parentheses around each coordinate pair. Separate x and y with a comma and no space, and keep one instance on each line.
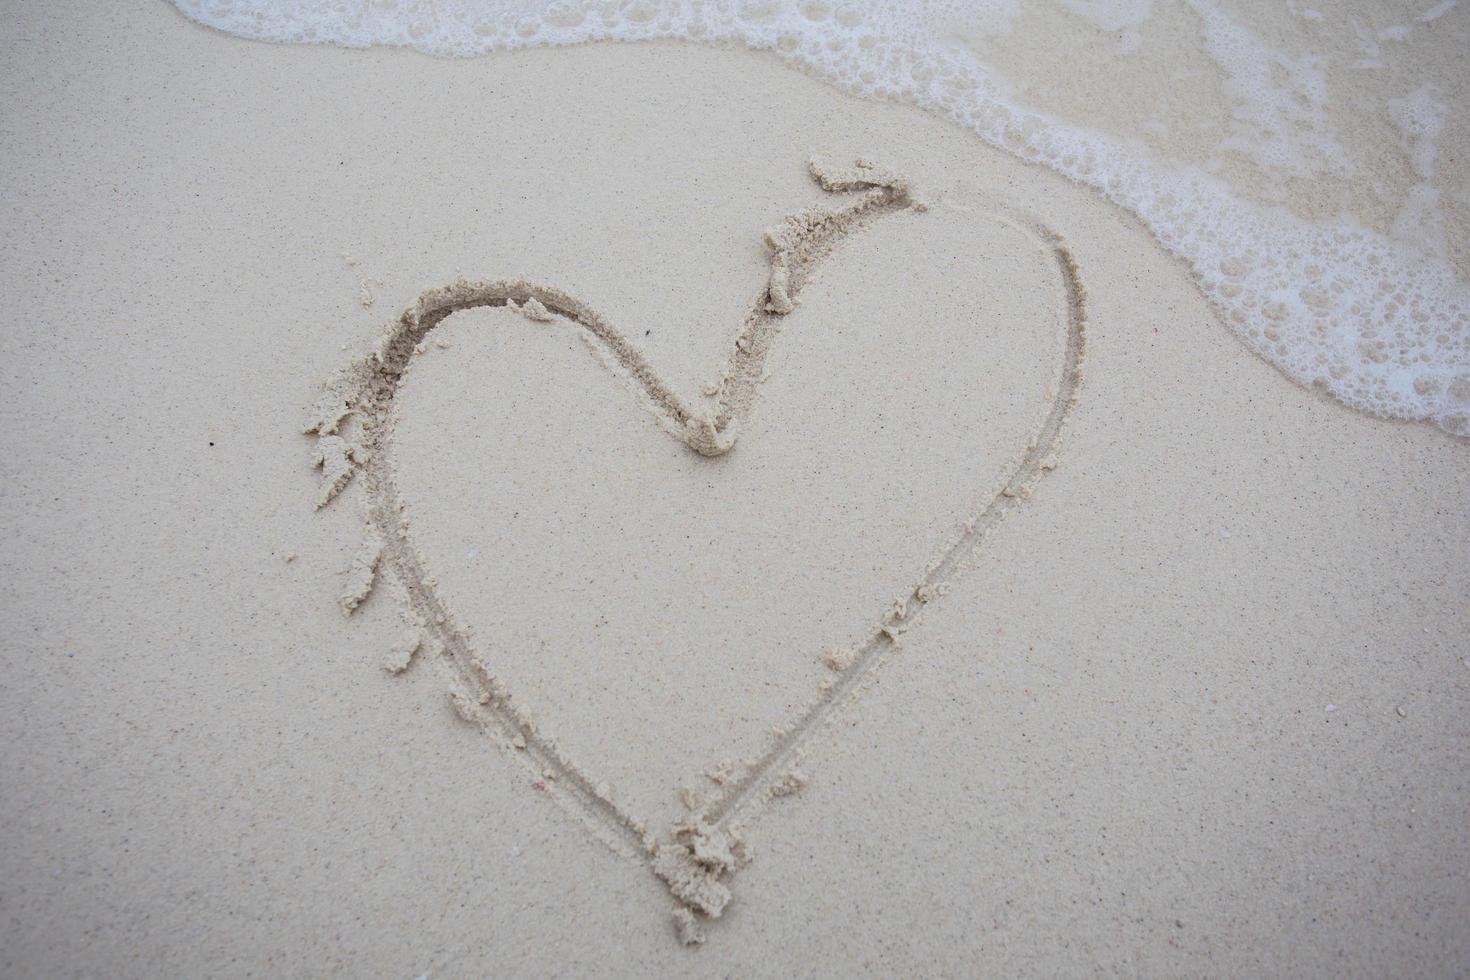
(915,574)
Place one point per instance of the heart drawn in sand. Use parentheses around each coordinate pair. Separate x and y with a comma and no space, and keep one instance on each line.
(354,424)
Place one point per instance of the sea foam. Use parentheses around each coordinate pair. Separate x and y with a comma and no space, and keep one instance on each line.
(1378,317)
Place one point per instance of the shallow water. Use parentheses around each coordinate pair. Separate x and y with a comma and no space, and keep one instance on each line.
(1304,158)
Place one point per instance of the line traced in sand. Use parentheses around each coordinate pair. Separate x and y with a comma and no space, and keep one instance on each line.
(699,855)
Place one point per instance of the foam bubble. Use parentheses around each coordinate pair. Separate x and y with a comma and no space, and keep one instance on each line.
(1379,320)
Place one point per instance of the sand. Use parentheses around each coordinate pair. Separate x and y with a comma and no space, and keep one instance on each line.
(1004,638)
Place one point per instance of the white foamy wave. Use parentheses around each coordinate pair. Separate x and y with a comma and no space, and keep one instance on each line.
(1376,317)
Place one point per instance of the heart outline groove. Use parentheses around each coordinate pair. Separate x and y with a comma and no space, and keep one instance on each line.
(353,425)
